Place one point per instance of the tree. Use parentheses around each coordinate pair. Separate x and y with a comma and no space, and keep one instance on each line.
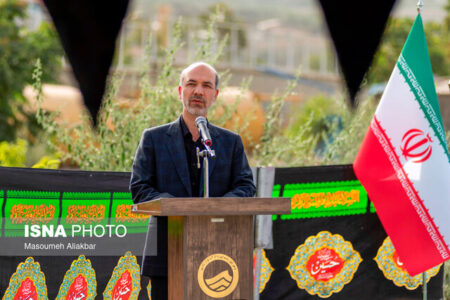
(226,22)
(19,49)
(394,38)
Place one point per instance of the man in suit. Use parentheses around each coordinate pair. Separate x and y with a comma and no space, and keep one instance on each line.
(165,164)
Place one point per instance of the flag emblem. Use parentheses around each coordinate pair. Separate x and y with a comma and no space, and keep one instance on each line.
(416,146)
(404,162)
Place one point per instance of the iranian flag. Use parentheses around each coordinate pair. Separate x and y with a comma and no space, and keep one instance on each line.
(404,164)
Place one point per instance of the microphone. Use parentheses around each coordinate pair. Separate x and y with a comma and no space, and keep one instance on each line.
(200,122)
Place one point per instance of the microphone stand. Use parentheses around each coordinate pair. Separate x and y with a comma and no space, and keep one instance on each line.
(205,154)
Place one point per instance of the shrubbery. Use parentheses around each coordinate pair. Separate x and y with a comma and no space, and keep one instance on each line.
(325,131)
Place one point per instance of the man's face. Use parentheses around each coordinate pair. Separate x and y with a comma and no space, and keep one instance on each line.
(198,90)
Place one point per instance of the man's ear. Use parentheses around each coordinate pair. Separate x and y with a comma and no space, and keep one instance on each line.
(217,93)
(179,92)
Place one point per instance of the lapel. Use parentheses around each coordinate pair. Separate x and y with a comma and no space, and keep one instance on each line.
(216,145)
(175,147)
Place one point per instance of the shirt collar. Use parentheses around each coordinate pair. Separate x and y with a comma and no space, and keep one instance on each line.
(184,129)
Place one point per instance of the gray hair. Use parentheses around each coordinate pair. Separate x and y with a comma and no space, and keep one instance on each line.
(196,64)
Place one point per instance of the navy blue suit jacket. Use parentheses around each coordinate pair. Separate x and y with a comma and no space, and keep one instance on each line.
(160,170)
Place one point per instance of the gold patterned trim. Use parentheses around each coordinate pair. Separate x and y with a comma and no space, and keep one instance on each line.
(81,266)
(31,270)
(126,263)
(266,271)
(386,263)
(149,290)
(324,241)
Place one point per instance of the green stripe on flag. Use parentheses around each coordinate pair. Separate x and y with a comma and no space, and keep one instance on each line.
(414,64)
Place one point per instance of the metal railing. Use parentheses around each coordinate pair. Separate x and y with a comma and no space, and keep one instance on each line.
(279,49)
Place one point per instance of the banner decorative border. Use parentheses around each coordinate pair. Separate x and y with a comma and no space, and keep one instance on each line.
(398,276)
(149,289)
(127,262)
(80,266)
(266,271)
(297,265)
(32,270)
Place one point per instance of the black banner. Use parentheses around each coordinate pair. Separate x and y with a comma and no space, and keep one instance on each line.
(332,245)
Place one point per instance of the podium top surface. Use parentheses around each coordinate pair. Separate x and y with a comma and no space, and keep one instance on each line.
(213,206)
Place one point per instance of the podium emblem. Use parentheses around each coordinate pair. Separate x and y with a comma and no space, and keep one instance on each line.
(218,275)
(393,269)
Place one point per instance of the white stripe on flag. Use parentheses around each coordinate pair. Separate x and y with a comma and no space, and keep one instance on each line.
(430,179)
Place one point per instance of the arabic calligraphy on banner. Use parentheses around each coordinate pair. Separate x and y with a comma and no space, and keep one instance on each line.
(329,199)
(23,213)
(125,282)
(28,282)
(324,264)
(392,267)
(323,199)
(79,282)
(122,289)
(78,289)
(27,290)
(124,214)
(85,213)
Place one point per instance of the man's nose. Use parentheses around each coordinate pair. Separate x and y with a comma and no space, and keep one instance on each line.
(198,90)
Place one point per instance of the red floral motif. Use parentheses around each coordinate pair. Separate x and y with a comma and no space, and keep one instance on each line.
(324,264)
(26,291)
(78,289)
(122,289)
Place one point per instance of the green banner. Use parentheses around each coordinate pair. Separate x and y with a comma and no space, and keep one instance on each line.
(88,209)
(29,208)
(324,199)
(121,214)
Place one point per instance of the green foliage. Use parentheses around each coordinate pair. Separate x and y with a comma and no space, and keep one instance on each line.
(325,131)
(113,144)
(19,48)
(275,148)
(316,111)
(226,21)
(397,30)
(13,154)
(48,162)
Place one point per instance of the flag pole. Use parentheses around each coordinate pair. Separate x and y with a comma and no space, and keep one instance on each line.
(424,291)
(424,274)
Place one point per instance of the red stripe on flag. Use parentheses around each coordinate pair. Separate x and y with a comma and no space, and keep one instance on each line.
(411,238)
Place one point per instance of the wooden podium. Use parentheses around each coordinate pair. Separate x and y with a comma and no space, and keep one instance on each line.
(210,248)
